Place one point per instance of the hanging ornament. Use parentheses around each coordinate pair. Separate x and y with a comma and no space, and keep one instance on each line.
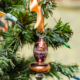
(40,53)
(40,48)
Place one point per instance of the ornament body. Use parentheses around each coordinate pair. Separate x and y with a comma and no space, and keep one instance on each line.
(40,50)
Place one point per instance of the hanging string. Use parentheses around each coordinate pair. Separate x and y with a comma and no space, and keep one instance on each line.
(35,7)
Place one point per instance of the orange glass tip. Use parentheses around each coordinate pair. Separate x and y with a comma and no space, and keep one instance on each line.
(5,28)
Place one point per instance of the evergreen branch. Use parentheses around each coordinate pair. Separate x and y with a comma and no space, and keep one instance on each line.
(62,30)
(4,64)
(47,6)
(15,36)
(24,16)
(21,70)
(67,70)
(14,68)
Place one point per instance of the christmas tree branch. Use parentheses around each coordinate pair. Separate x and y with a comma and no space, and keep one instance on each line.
(47,6)
(67,70)
(14,68)
(16,36)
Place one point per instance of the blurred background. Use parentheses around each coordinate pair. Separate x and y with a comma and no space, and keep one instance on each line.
(68,11)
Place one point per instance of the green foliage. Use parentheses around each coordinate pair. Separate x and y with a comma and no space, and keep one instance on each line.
(62,30)
(21,70)
(13,67)
(47,6)
(67,70)
(9,4)
(15,37)
(4,63)
(24,16)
